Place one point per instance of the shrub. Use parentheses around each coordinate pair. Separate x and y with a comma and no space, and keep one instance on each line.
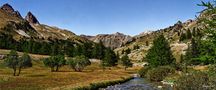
(194,81)
(212,70)
(212,75)
(142,72)
(159,73)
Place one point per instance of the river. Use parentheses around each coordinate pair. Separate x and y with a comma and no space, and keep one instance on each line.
(137,83)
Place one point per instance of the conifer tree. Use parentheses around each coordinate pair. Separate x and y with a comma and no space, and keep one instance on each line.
(126,62)
(182,37)
(128,51)
(110,59)
(189,34)
(98,51)
(160,53)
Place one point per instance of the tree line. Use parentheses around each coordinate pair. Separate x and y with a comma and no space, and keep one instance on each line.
(53,46)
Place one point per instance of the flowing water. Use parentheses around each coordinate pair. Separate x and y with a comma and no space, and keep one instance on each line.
(136,83)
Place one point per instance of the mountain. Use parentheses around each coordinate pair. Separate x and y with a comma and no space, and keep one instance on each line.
(29,27)
(9,9)
(172,33)
(113,41)
(31,18)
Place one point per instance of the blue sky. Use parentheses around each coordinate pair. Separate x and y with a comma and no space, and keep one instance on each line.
(93,17)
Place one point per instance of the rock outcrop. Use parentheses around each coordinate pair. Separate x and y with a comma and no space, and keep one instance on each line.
(9,9)
(31,18)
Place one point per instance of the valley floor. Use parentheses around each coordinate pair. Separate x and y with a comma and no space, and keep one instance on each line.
(40,77)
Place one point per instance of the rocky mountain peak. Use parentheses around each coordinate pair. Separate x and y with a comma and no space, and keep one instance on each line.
(31,18)
(179,22)
(8,8)
(118,33)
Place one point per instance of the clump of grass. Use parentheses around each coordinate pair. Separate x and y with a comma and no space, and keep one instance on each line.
(159,73)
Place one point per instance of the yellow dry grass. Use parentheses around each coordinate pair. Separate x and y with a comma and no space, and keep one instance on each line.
(39,77)
(33,56)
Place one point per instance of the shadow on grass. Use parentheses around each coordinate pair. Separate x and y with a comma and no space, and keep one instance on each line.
(131,72)
(63,71)
(36,75)
(75,71)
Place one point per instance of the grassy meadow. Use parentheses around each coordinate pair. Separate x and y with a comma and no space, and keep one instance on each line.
(40,77)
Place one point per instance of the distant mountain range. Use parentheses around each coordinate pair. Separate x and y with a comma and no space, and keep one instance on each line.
(113,41)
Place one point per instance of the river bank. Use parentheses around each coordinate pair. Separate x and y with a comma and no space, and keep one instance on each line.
(104,84)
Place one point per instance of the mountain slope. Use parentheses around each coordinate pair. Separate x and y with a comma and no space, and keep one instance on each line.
(172,33)
(31,28)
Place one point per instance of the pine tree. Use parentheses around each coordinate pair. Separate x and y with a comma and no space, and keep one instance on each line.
(194,32)
(189,35)
(160,53)
(123,51)
(78,50)
(110,59)
(187,58)
(128,51)
(182,37)
(126,62)
(98,51)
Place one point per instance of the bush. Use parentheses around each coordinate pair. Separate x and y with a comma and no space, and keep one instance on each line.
(142,72)
(194,81)
(159,73)
(212,75)
(212,70)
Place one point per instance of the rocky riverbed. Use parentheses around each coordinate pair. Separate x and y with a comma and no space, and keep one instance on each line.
(136,83)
